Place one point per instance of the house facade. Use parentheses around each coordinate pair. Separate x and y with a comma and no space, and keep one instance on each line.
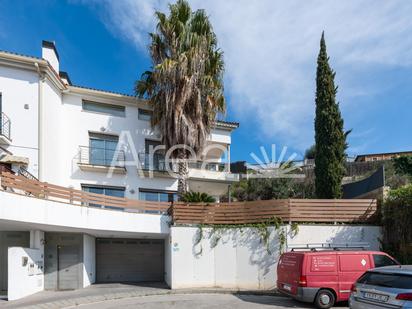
(99,142)
(70,135)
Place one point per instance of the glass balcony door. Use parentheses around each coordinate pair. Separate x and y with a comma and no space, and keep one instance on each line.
(102,149)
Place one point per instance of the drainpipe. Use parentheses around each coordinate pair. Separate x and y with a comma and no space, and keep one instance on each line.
(40,123)
(228,158)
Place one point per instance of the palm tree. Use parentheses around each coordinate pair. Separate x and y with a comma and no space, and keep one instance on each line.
(185,84)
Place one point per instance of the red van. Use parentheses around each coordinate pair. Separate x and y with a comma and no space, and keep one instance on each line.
(325,277)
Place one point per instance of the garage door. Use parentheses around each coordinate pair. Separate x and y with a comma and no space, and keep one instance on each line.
(129,260)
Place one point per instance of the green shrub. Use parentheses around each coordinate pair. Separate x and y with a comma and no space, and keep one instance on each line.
(197,197)
(397,224)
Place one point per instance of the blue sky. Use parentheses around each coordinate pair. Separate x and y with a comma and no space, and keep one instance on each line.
(270,53)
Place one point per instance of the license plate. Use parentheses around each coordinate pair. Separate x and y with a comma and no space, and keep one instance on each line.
(287,287)
(377,297)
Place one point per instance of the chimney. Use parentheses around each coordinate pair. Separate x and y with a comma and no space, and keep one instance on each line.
(49,53)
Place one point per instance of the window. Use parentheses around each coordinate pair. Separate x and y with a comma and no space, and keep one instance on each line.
(158,157)
(157,196)
(110,191)
(145,114)
(398,281)
(381,260)
(102,148)
(110,109)
(151,145)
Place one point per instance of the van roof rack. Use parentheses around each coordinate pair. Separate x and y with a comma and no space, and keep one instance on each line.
(330,246)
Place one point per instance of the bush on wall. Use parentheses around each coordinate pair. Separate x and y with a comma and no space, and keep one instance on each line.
(397,224)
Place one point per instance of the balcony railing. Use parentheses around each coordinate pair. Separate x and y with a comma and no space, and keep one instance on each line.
(209,166)
(101,157)
(157,162)
(5,125)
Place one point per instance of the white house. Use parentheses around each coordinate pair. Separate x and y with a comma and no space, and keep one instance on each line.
(93,140)
(70,134)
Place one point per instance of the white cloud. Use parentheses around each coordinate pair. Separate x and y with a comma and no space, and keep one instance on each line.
(271,48)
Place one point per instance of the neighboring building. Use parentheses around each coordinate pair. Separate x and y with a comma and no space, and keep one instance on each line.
(96,141)
(381,156)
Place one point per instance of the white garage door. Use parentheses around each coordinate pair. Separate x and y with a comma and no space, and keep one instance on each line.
(129,260)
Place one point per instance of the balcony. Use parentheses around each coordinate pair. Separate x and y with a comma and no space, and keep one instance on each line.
(93,159)
(199,170)
(5,125)
(216,171)
(155,164)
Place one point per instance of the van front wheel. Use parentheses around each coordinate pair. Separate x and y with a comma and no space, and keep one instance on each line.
(324,299)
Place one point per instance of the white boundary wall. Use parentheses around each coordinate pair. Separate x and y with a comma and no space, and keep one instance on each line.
(25,272)
(240,260)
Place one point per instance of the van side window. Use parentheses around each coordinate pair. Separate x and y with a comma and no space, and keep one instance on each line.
(381,260)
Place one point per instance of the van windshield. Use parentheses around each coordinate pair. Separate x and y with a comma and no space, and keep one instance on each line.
(399,281)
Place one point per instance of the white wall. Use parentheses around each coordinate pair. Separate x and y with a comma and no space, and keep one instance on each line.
(38,212)
(337,234)
(89,260)
(28,279)
(52,139)
(18,88)
(240,259)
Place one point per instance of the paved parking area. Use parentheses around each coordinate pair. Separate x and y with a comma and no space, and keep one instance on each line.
(153,296)
(199,301)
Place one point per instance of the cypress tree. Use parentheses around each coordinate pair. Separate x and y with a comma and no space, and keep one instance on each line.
(329,135)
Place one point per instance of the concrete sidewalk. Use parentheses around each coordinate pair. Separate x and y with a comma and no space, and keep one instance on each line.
(104,292)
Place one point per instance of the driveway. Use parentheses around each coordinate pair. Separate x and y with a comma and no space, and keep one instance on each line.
(199,301)
(152,295)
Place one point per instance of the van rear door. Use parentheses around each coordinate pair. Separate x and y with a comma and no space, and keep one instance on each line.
(289,271)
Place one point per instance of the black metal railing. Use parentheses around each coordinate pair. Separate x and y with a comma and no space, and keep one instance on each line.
(5,125)
(158,162)
(24,172)
(101,156)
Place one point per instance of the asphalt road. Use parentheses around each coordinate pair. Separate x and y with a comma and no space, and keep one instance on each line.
(199,301)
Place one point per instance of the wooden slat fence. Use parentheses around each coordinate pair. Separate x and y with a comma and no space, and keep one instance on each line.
(44,190)
(289,210)
(229,213)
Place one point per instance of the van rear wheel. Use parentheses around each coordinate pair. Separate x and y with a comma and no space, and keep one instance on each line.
(324,299)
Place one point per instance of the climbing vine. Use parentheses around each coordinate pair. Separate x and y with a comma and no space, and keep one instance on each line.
(262,229)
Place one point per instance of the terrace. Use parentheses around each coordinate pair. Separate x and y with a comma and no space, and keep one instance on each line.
(198,170)
(289,210)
